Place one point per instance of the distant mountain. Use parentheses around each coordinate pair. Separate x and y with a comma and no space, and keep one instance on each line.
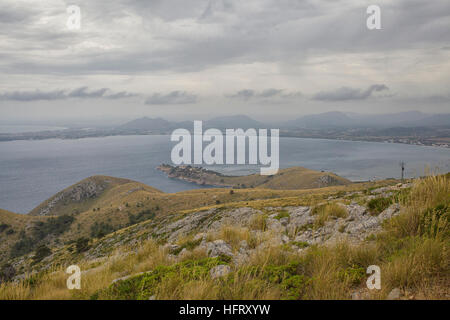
(327,120)
(236,121)
(436,120)
(336,119)
(322,120)
(147,124)
(387,119)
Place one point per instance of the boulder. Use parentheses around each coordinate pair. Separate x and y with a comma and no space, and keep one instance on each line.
(217,248)
(394,294)
(219,271)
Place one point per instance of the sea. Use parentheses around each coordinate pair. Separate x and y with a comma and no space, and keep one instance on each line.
(31,171)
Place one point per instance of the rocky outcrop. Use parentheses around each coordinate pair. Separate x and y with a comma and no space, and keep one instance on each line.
(78,193)
(218,248)
(219,271)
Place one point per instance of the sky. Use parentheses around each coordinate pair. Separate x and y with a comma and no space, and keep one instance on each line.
(178,59)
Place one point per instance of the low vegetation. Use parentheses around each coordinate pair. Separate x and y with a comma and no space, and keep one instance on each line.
(327,212)
(412,251)
(378,205)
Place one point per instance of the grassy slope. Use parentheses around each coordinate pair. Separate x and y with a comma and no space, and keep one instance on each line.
(124,197)
(285,179)
(13,224)
(65,204)
(413,253)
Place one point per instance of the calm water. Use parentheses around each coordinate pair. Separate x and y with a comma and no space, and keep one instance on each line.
(32,171)
(22,129)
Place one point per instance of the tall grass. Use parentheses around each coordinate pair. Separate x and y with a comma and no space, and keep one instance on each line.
(413,253)
(327,212)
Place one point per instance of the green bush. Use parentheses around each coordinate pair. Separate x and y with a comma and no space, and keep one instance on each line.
(141,216)
(21,247)
(99,230)
(378,205)
(282,214)
(436,222)
(41,252)
(53,226)
(3,227)
(353,275)
(82,245)
(143,286)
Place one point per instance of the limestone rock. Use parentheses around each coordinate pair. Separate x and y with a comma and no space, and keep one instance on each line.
(394,294)
(219,271)
(217,248)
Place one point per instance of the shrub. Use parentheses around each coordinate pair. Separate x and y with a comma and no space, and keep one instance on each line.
(282,214)
(435,222)
(41,252)
(82,245)
(378,205)
(162,278)
(7,272)
(53,226)
(3,227)
(99,230)
(21,247)
(141,216)
(328,211)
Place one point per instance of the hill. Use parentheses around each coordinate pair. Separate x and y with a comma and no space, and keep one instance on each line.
(263,244)
(147,124)
(323,120)
(285,179)
(236,121)
(101,205)
(79,197)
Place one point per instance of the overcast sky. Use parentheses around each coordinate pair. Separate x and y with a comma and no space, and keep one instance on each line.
(270,59)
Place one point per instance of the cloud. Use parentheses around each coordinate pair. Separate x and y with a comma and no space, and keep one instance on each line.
(79,93)
(242,94)
(199,34)
(267,94)
(219,45)
(346,93)
(174,97)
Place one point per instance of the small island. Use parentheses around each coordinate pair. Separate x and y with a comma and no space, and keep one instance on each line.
(285,179)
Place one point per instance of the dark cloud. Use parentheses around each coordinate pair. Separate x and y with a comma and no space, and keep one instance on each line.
(80,93)
(33,95)
(10,14)
(346,93)
(243,94)
(270,93)
(174,97)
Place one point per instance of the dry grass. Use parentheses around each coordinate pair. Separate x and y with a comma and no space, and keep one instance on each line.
(327,212)
(412,252)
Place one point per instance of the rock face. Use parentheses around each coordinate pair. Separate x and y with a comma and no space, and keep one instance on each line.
(218,248)
(80,192)
(295,228)
(205,221)
(76,194)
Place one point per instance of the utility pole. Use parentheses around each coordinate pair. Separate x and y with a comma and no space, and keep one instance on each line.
(402,165)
